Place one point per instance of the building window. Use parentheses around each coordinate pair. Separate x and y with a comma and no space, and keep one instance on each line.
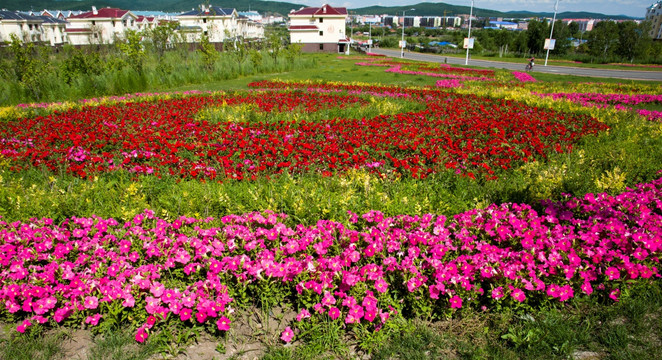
(321,20)
(204,21)
(94,22)
(321,33)
(321,46)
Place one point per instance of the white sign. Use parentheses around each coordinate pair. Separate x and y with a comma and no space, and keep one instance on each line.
(549,44)
(468,43)
(402,43)
(370,42)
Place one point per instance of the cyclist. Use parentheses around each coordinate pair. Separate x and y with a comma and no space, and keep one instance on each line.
(529,66)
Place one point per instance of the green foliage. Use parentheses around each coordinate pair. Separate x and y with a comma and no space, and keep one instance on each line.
(162,37)
(274,45)
(78,63)
(28,64)
(208,51)
(133,50)
(120,344)
(536,33)
(603,39)
(32,345)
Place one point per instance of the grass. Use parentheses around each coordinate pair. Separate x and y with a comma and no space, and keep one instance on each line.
(34,345)
(120,345)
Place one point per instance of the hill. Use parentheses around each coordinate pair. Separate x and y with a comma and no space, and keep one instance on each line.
(283,8)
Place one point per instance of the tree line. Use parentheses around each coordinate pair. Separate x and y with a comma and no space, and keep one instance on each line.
(608,42)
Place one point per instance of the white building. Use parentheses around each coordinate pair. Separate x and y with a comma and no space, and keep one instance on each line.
(27,28)
(53,30)
(250,29)
(100,26)
(654,15)
(219,24)
(319,29)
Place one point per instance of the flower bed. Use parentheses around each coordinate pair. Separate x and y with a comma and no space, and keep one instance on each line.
(618,101)
(150,271)
(470,134)
(523,77)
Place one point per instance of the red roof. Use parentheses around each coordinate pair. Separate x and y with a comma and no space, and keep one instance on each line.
(141,18)
(101,13)
(303,27)
(319,11)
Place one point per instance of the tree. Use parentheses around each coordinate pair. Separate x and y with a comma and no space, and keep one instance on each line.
(274,46)
(133,49)
(28,64)
(562,35)
(603,39)
(536,34)
(634,40)
(503,38)
(162,37)
(573,27)
(208,51)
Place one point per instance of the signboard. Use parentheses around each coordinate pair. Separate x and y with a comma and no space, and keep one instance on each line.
(402,43)
(549,44)
(468,43)
(369,42)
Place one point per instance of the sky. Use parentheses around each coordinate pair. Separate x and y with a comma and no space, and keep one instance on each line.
(633,8)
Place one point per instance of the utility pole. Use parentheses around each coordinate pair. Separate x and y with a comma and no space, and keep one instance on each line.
(471,14)
(402,43)
(556,8)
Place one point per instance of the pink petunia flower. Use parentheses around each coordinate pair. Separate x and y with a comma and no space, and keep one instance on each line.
(456,302)
(287,335)
(223,323)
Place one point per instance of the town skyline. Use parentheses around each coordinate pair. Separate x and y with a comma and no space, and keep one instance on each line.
(632,8)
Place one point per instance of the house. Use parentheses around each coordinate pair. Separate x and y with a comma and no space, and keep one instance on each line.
(250,29)
(146,22)
(654,15)
(101,26)
(26,27)
(53,30)
(218,24)
(319,29)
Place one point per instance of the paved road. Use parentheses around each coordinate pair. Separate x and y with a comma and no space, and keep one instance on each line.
(565,70)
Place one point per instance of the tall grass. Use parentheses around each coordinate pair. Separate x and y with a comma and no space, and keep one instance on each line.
(174,68)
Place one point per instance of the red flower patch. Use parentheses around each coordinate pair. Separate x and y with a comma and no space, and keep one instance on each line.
(473,135)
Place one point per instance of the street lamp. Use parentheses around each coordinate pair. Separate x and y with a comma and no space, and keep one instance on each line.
(471,14)
(370,38)
(556,8)
(402,43)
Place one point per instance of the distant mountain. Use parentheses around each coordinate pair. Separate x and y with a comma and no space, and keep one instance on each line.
(438,9)
(283,8)
(270,7)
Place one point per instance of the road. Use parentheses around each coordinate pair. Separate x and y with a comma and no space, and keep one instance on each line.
(564,70)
